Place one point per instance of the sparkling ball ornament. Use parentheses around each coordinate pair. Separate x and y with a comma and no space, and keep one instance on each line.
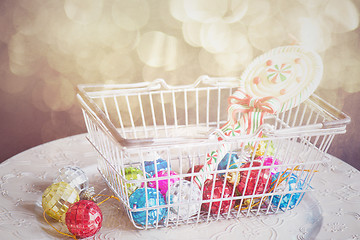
(186,196)
(75,176)
(132,173)
(57,198)
(84,218)
(253,181)
(139,199)
(290,183)
(270,161)
(225,164)
(150,170)
(196,169)
(219,192)
(163,184)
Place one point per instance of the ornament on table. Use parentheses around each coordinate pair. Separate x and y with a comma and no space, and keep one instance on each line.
(84,218)
(163,184)
(186,196)
(195,170)
(215,191)
(270,161)
(151,168)
(132,173)
(253,181)
(225,163)
(74,176)
(57,198)
(286,183)
(139,199)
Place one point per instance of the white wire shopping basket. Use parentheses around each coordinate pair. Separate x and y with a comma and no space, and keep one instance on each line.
(153,139)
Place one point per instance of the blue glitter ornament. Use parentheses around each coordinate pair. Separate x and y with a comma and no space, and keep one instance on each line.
(290,183)
(161,164)
(137,200)
(223,164)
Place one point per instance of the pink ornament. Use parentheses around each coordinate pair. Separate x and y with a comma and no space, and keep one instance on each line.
(254,181)
(84,218)
(163,184)
(270,161)
(217,194)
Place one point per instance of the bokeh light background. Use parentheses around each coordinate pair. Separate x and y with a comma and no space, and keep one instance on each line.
(47,47)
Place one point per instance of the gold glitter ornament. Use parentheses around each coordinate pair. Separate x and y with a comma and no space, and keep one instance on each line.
(57,198)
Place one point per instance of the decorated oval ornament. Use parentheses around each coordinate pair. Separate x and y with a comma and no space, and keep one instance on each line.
(289,73)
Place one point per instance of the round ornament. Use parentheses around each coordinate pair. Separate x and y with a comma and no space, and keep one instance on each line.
(253,181)
(290,183)
(186,197)
(289,73)
(270,161)
(75,176)
(228,162)
(163,184)
(195,170)
(219,191)
(150,169)
(84,218)
(146,198)
(57,198)
(264,148)
(132,173)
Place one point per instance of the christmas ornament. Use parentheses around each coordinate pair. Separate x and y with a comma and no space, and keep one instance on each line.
(226,164)
(288,183)
(163,184)
(195,170)
(186,197)
(270,161)
(150,169)
(57,198)
(253,181)
(84,218)
(146,198)
(132,173)
(219,191)
(74,176)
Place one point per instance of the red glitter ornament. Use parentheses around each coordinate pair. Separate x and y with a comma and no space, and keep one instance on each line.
(196,169)
(219,192)
(258,181)
(84,218)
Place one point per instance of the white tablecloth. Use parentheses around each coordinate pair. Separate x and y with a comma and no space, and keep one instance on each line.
(332,211)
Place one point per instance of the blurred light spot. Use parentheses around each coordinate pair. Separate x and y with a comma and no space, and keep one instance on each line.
(177,10)
(268,34)
(23,56)
(215,37)
(236,10)
(341,16)
(84,11)
(214,64)
(59,95)
(27,22)
(257,12)
(115,65)
(191,31)
(158,49)
(205,10)
(313,35)
(131,15)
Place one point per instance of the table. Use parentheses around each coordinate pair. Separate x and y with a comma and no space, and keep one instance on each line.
(332,211)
